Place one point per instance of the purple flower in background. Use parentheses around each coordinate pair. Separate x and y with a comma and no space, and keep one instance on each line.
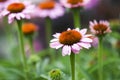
(37,46)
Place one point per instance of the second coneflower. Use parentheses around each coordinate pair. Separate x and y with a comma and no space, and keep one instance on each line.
(100,28)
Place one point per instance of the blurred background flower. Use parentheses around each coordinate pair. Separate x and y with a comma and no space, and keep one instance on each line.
(49,9)
(18,10)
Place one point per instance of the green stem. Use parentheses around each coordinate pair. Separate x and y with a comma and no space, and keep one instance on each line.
(31,45)
(48,31)
(100,62)
(72,61)
(76,17)
(21,43)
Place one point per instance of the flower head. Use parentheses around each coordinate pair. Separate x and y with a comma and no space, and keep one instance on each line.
(74,3)
(29,28)
(18,10)
(55,74)
(49,9)
(100,28)
(71,41)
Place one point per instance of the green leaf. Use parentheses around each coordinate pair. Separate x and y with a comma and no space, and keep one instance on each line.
(41,78)
(109,61)
(85,73)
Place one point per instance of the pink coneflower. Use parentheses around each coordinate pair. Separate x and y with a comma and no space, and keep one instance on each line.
(18,10)
(74,3)
(71,41)
(100,28)
(49,9)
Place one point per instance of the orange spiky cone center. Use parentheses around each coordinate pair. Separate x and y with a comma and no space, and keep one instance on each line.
(70,37)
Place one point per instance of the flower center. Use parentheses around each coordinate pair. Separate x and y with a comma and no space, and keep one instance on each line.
(74,1)
(47,5)
(70,37)
(16,7)
(100,28)
(28,28)
(3,0)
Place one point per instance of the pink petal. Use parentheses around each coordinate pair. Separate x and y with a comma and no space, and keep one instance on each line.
(76,48)
(83,31)
(77,29)
(22,15)
(44,13)
(54,40)
(95,22)
(56,35)
(85,45)
(52,14)
(91,23)
(18,16)
(66,50)
(27,16)
(86,40)
(88,35)
(56,45)
(11,18)
(5,12)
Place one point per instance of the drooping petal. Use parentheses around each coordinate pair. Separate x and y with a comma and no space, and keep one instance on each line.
(66,50)
(55,45)
(85,45)
(86,40)
(18,17)
(11,18)
(22,15)
(76,48)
